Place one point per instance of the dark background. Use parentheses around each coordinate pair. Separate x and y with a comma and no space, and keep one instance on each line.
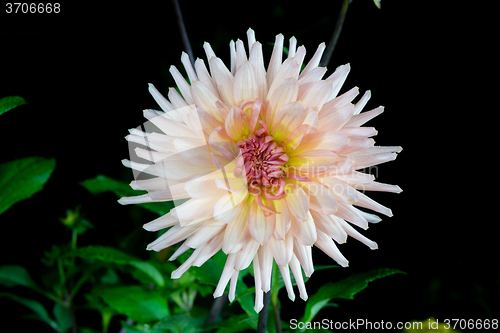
(84,73)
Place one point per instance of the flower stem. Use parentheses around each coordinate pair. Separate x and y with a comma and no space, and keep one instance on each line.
(182,28)
(262,323)
(275,300)
(336,33)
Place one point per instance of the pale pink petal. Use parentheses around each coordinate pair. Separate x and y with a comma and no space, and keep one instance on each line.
(176,99)
(266,266)
(314,75)
(223,78)
(362,102)
(257,61)
(285,273)
(355,144)
(292,47)
(366,202)
(304,255)
(241,55)
(362,118)
(314,94)
(232,286)
(245,256)
(297,274)
(285,93)
(297,201)
(162,101)
(232,50)
(245,84)
(351,214)
(282,220)
(314,161)
(356,235)
(161,222)
(326,244)
(286,119)
(330,225)
(304,232)
(328,140)
(212,247)
(320,197)
(182,84)
(261,227)
(237,233)
(186,62)
(364,132)
(173,236)
(208,50)
(259,295)
(227,273)
(204,77)
(338,79)
(281,250)
(333,119)
(208,230)
(206,99)
(234,124)
(276,59)
(314,62)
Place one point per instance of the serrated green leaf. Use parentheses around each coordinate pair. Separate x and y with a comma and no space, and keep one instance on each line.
(10,102)
(112,255)
(138,303)
(103,253)
(36,307)
(20,179)
(345,289)
(14,275)
(101,184)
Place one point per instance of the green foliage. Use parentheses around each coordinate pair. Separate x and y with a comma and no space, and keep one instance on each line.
(148,272)
(137,302)
(10,102)
(21,178)
(120,283)
(39,311)
(101,184)
(345,289)
(14,275)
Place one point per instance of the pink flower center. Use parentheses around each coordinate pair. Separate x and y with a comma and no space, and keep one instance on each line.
(264,162)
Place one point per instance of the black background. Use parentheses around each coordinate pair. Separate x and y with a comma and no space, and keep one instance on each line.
(84,73)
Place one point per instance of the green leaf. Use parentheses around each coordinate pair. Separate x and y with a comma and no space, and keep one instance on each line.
(345,289)
(36,307)
(102,253)
(150,271)
(101,184)
(10,102)
(182,323)
(378,4)
(14,275)
(210,272)
(112,255)
(20,179)
(63,320)
(138,303)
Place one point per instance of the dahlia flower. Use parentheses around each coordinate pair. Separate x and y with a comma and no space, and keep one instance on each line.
(263,164)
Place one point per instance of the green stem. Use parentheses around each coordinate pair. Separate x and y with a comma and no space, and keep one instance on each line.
(336,33)
(275,300)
